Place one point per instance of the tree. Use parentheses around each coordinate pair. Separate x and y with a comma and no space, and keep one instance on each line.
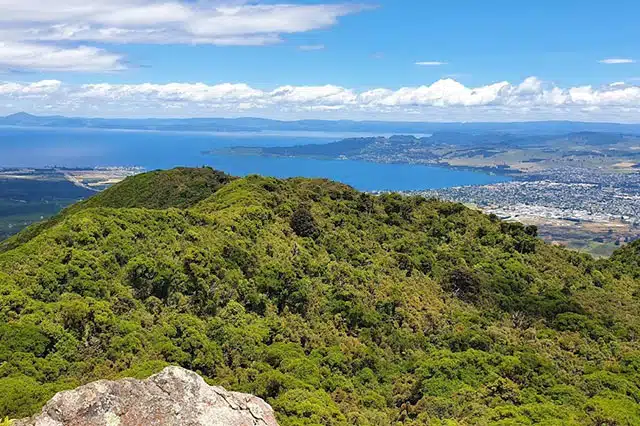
(531,230)
(303,223)
(464,283)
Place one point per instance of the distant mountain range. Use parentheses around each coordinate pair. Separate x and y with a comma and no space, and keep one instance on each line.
(249,124)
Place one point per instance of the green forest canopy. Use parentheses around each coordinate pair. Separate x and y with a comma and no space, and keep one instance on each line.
(336,307)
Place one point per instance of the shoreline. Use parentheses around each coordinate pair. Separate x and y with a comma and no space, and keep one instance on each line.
(257,152)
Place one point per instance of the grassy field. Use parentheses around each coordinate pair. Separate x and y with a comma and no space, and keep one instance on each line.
(598,240)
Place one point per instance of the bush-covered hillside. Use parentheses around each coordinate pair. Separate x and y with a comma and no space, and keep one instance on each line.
(180,187)
(337,307)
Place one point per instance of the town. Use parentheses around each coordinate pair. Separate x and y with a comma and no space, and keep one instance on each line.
(567,204)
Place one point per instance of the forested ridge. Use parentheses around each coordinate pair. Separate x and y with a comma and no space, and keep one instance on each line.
(336,307)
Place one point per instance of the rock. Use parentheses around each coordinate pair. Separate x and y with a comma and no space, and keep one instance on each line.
(175,396)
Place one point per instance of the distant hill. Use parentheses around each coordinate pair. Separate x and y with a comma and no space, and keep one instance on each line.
(337,307)
(179,187)
(249,124)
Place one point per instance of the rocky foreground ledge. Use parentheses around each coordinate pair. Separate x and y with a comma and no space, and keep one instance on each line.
(175,396)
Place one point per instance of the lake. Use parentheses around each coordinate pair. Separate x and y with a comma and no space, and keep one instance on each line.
(39,147)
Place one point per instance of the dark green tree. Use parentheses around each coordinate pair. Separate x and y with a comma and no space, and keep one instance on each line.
(303,223)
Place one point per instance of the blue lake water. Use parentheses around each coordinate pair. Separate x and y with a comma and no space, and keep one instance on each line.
(22,147)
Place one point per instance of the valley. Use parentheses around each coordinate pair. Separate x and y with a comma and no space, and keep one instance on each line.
(30,195)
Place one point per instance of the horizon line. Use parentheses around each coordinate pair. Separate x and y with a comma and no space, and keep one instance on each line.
(316,119)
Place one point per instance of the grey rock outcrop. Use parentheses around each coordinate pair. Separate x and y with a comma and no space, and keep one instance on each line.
(173,397)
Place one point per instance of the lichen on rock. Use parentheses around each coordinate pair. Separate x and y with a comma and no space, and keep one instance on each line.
(174,396)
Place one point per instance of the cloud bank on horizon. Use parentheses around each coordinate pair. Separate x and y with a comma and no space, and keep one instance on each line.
(444,100)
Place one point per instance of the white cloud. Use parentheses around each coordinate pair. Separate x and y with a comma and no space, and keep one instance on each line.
(50,58)
(266,19)
(615,61)
(442,93)
(328,95)
(530,85)
(445,99)
(37,23)
(431,63)
(39,88)
(177,92)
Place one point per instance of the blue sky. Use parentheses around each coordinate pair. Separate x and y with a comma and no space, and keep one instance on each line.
(402,59)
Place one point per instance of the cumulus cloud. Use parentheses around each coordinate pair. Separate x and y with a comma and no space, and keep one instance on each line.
(177,92)
(39,88)
(431,63)
(328,95)
(444,99)
(38,23)
(615,61)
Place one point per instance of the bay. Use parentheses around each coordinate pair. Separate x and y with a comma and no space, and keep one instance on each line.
(47,147)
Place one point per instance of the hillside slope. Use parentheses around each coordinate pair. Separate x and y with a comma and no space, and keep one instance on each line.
(179,187)
(336,307)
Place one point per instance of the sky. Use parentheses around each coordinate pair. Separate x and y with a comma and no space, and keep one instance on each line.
(416,60)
